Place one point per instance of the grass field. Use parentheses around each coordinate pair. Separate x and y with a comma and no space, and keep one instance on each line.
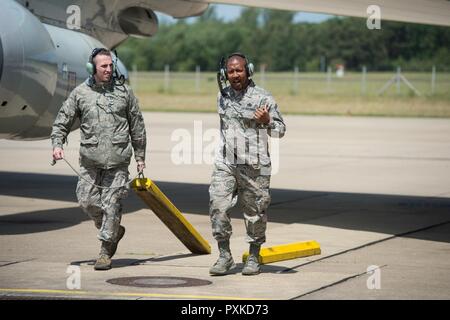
(306,93)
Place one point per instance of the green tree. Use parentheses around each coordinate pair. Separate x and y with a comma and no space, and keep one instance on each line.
(271,37)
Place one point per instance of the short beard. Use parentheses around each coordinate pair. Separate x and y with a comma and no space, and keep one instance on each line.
(244,85)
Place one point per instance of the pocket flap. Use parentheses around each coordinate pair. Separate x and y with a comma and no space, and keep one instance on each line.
(90,140)
(122,137)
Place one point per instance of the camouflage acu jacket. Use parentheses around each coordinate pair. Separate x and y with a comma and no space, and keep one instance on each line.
(242,139)
(111,125)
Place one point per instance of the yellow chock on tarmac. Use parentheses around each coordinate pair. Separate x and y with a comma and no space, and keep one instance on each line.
(170,215)
(286,252)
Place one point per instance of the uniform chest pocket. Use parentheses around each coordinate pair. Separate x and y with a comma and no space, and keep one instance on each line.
(113,104)
(248,114)
(120,106)
(248,118)
(248,110)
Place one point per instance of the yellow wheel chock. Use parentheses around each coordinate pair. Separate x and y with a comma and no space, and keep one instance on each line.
(286,252)
(170,215)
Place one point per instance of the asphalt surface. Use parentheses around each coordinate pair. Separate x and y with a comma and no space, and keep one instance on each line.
(373,192)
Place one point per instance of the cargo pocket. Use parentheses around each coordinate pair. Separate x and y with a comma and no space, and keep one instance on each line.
(122,146)
(89,141)
(121,138)
(88,149)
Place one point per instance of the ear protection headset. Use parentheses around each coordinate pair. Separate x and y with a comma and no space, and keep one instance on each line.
(90,66)
(249,67)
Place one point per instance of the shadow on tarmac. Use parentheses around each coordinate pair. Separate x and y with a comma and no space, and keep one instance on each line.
(355,211)
(121,263)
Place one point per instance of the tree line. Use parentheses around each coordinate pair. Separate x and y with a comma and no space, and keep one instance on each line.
(272,39)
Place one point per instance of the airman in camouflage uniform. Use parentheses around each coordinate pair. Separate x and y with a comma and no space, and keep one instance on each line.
(111,127)
(242,167)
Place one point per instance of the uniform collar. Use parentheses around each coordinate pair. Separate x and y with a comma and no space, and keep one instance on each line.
(99,87)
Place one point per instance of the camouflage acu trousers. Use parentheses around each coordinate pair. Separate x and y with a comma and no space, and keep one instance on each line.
(243,183)
(103,205)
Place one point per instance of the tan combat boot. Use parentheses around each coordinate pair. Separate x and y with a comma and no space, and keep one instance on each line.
(113,246)
(225,261)
(251,266)
(104,261)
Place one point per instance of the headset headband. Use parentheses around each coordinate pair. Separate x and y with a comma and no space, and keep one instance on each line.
(96,51)
(237,54)
(249,68)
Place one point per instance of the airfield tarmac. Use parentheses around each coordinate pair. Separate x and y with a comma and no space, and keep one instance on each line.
(372,191)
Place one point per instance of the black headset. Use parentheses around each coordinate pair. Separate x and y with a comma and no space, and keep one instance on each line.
(222,75)
(90,65)
(249,67)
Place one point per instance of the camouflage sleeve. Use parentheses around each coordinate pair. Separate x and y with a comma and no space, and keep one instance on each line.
(64,121)
(219,101)
(276,128)
(137,128)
